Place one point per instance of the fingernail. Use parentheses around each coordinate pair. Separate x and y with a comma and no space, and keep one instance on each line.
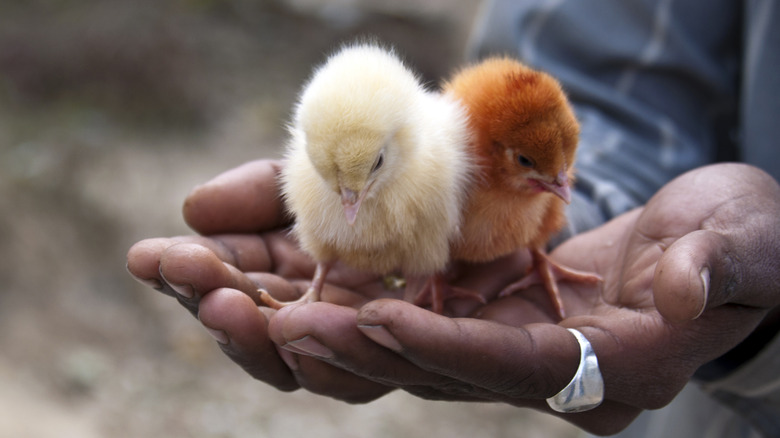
(151,282)
(293,349)
(704,274)
(288,358)
(148,282)
(219,335)
(183,290)
(382,336)
(311,347)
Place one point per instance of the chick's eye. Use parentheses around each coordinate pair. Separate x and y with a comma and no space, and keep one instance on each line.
(525,161)
(379,162)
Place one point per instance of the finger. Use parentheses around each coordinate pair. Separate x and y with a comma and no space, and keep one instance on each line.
(683,275)
(702,270)
(533,362)
(265,252)
(314,335)
(143,262)
(328,333)
(246,252)
(244,199)
(193,270)
(240,328)
(321,377)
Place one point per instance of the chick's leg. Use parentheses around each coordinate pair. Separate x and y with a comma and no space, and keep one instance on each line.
(436,291)
(311,295)
(548,273)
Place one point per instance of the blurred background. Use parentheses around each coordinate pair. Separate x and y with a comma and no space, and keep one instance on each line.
(110,112)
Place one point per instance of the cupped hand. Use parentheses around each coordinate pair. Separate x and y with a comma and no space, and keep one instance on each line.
(685,279)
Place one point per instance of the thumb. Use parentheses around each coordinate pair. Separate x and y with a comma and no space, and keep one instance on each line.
(694,273)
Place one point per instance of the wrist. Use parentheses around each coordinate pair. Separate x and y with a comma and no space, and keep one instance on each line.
(749,368)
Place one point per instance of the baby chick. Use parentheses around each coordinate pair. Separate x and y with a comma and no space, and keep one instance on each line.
(525,138)
(377,168)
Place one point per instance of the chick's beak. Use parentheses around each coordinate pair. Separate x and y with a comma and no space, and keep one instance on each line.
(351,202)
(560,187)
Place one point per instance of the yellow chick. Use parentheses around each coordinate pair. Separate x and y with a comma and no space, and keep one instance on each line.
(377,168)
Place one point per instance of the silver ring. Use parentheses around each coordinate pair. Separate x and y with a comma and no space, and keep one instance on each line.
(586,389)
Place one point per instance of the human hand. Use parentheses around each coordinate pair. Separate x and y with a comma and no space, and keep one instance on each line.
(244,246)
(645,358)
(686,278)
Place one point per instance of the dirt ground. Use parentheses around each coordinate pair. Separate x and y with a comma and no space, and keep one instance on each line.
(110,112)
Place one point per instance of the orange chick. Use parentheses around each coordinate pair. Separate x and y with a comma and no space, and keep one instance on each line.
(525,137)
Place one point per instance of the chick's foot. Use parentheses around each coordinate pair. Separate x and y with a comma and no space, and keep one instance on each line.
(311,295)
(546,272)
(436,291)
